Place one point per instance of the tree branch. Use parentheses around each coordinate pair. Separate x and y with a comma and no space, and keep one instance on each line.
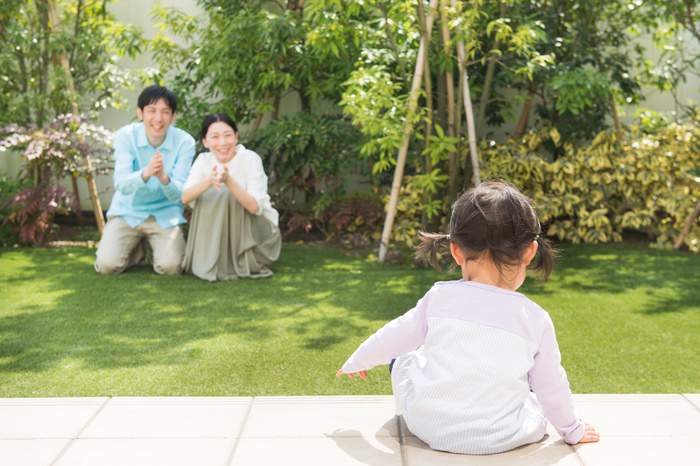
(390,35)
(76,31)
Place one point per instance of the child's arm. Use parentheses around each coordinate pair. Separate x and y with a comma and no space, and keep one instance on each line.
(398,337)
(551,386)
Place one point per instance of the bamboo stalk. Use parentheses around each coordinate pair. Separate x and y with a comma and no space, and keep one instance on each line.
(524,115)
(401,159)
(452,157)
(427,159)
(488,79)
(468,108)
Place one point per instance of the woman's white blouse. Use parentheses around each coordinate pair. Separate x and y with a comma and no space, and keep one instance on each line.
(246,168)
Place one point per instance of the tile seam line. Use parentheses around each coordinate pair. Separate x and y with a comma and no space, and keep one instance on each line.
(229,460)
(402,441)
(578,458)
(72,441)
(689,401)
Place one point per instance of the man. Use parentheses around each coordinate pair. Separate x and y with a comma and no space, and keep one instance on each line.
(152,160)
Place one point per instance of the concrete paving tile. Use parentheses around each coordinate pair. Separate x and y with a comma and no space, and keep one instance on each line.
(335,416)
(638,414)
(336,451)
(653,450)
(33,452)
(693,398)
(33,418)
(552,450)
(147,452)
(169,417)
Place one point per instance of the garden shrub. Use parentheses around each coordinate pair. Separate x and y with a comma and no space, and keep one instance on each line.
(8,189)
(358,217)
(591,194)
(49,154)
(411,209)
(309,158)
(32,210)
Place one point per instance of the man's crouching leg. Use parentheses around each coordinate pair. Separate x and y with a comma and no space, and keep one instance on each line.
(168,246)
(120,248)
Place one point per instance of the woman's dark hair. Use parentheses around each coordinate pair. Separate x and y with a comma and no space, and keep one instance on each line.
(153,94)
(494,218)
(213,118)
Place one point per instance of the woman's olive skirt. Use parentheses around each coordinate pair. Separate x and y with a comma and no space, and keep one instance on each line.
(226,241)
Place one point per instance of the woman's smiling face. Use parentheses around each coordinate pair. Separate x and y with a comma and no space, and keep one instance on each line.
(221,140)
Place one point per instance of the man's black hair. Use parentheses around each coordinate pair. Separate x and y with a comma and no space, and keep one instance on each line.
(154,93)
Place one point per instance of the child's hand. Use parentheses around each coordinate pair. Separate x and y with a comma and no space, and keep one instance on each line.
(590,436)
(362,374)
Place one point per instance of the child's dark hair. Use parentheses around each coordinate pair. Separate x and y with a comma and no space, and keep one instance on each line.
(494,218)
(154,93)
(213,118)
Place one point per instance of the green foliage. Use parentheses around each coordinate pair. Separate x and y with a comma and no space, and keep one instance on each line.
(673,27)
(379,107)
(577,89)
(571,60)
(33,84)
(306,152)
(8,189)
(32,210)
(356,218)
(412,207)
(591,194)
(243,57)
(593,68)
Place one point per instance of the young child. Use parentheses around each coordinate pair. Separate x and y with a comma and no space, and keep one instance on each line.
(486,375)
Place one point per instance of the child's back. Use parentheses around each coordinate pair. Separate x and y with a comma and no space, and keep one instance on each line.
(483,348)
(466,389)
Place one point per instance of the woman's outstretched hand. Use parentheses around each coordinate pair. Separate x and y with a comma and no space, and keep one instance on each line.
(362,374)
(590,436)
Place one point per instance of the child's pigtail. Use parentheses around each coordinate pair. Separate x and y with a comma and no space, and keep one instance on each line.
(546,255)
(429,246)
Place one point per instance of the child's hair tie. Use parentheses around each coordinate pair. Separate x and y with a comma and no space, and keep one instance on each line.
(447,237)
(536,237)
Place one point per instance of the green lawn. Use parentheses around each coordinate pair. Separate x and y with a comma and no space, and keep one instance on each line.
(627,320)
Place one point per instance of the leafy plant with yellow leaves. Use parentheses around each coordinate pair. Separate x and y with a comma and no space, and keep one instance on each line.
(647,181)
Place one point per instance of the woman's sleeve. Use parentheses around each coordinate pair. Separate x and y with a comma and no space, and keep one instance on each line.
(256,182)
(198,172)
(400,336)
(551,386)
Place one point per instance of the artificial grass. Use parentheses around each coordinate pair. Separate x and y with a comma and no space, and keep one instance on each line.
(627,320)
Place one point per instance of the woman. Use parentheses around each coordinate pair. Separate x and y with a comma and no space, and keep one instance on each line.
(234,229)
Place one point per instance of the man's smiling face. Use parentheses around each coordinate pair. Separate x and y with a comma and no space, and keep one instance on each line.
(156,116)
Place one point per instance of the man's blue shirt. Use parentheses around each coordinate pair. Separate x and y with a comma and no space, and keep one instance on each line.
(136,200)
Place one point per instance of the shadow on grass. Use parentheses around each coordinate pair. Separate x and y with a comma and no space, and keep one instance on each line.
(667,278)
(317,300)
